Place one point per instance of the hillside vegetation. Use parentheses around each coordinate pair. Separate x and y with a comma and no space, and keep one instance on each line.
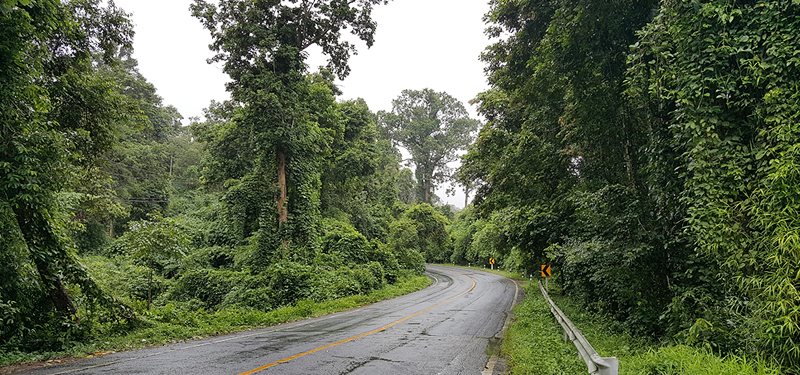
(648,151)
(123,225)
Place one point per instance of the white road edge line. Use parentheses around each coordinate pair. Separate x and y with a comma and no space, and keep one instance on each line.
(489,368)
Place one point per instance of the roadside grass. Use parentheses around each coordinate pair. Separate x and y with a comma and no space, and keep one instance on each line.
(173,323)
(533,345)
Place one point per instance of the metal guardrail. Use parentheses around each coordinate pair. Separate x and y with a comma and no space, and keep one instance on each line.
(596,364)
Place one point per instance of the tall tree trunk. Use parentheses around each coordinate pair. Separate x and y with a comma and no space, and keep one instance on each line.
(55,289)
(44,247)
(283,213)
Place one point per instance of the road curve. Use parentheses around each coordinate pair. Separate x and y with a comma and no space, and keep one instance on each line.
(443,329)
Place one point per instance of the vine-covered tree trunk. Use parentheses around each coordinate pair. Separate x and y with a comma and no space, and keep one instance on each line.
(283,212)
(262,45)
(43,244)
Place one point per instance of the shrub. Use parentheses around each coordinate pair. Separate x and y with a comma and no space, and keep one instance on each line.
(206,285)
(374,277)
(141,286)
(343,240)
(219,257)
(259,298)
(336,284)
(365,280)
(92,239)
(252,291)
(345,282)
(462,230)
(404,244)
(290,281)
(488,242)
(434,241)
(381,254)
(328,262)
(685,360)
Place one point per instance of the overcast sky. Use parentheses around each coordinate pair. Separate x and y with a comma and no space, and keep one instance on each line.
(418,44)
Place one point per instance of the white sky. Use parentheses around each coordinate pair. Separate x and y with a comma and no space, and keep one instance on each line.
(418,44)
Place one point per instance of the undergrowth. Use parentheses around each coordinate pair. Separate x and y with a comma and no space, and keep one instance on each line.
(533,345)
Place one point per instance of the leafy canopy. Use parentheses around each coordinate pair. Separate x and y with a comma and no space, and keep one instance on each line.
(433,127)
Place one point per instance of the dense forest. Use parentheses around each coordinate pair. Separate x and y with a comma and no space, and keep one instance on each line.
(648,150)
(116,217)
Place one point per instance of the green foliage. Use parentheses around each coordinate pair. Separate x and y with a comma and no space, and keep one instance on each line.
(362,178)
(218,257)
(738,142)
(91,157)
(384,264)
(157,243)
(287,120)
(687,360)
(659,180)
(533,344)
(291,282)
(121,277)
(207,286)
(433,127)
(559,130)
(21,294)
(403,242)
(432,239)
(345,282)
(487,242)
(58,117)
(462,231)
(345,243)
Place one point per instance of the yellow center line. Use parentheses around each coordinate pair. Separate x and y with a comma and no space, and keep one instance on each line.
(359,336)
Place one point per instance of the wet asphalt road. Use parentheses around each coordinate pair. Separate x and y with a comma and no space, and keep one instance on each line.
(447,328)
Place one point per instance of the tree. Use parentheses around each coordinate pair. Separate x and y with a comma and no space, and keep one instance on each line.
(58,115)
(135,174)
(153,242)
(262,44)
(560,163)
(433,127)
(723,79)
(351,169)
(431,237)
